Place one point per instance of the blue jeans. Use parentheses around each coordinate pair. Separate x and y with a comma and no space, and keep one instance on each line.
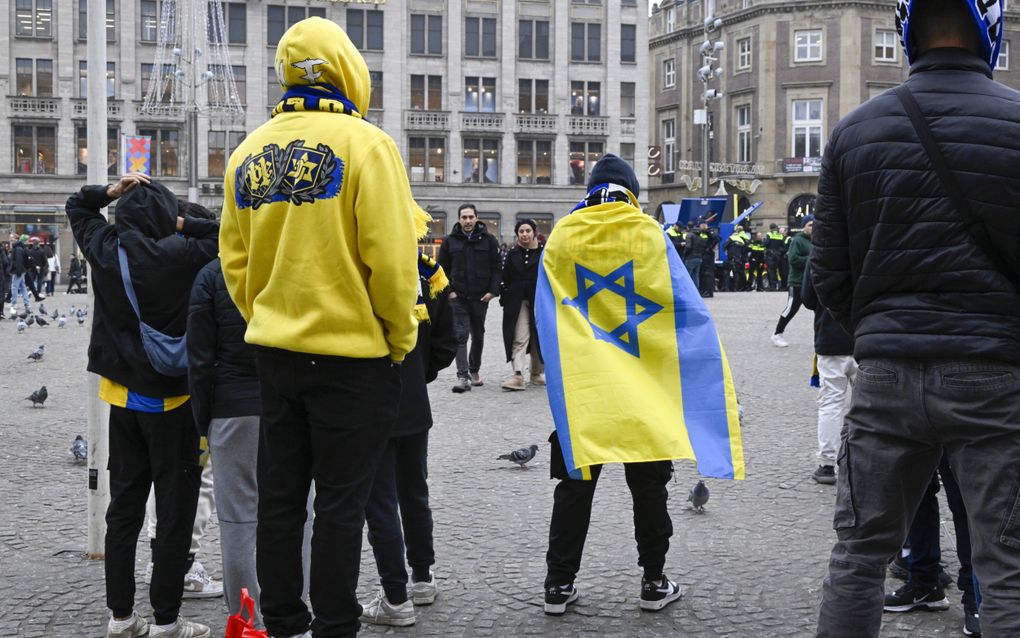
(694,268)
(904,416)
(18,286)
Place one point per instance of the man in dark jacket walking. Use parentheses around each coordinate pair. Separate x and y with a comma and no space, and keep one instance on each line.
(19,272)
(37,268)
(470,257)
(153,440)
(935,311)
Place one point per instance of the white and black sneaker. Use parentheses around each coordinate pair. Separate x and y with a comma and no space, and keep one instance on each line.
(654,597)
(557,597)
(909,598)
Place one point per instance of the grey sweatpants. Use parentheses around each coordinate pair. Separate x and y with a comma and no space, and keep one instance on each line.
(904,414)
(234,443)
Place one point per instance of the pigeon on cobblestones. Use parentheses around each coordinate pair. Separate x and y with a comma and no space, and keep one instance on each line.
(38,397)
(30,320)
(42,322)
(698,497)
(80,449)
(520,456)
(81,319)
(38,354)
(61,321)
(42,309)
(55,314)
(21,326)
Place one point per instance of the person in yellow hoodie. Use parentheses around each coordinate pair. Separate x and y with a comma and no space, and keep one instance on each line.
(317,244)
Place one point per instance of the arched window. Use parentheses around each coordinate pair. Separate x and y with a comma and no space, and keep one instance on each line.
(800,206)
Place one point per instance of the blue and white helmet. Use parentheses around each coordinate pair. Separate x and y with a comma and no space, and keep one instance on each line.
(987,16)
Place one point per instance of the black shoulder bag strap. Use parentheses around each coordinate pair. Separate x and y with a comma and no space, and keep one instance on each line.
(972,222)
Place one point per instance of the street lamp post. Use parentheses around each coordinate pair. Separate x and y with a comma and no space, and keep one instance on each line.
(707,72)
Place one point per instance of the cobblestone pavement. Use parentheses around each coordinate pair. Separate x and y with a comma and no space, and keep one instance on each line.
(751,566)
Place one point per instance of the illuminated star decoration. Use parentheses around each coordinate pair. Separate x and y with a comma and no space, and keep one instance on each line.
(620,282)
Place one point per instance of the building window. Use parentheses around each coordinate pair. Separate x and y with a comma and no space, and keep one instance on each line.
(33,18)
(167,91)
(743,134)
(668,146)
(218,84)
(481,160)
(235,22)
(427,92)
(585,98)
(35,149)
(807,46)
(669,73)
(627,101)
(274,91)
(112,150)
(533,96)
(585,42)
(807,128)
(1003,61)
(533,40)
(83,21)
(427,159)
(480,94)
(221,145)
(375,101)
(165,151)
(437,227)
(426,34)
(627,152)
(34,77)
(365,28)
(148,21)
(670,20)
(583,156)
(628,42)
(480,37)
(493,223)
(280,18)
(534,162)
(83,79)
(885,46)
(743,54)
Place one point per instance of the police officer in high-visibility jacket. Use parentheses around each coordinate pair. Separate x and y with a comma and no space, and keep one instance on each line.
(774,245)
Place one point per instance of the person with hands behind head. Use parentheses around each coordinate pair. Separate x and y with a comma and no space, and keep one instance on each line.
(153,440)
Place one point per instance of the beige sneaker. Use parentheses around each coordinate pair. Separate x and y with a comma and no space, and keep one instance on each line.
(515,382)
(198,583)
(538,379)
(180,629)
(133,627)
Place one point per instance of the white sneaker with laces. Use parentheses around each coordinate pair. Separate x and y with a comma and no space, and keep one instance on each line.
(778,341)
(380,611)
(424,592)
(132,627)
(180,629)
(198,584)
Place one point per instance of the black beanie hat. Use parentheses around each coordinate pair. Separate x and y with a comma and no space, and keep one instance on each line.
(613,170)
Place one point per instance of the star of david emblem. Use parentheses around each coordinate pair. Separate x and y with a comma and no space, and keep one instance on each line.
(619,282)
(304,166)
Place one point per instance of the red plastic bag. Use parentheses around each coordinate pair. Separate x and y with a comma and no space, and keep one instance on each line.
(240,627)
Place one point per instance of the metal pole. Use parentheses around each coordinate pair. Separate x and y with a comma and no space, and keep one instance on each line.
(704,154)
(192,152)
(98,413)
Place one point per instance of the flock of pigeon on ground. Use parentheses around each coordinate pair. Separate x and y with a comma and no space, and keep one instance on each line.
(27,319)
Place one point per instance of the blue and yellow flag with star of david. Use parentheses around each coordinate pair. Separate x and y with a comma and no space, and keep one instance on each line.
(634,367)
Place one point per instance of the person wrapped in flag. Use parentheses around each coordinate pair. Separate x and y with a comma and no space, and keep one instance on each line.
(635,374)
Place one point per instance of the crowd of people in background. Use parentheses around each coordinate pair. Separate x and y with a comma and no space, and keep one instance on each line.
(30,267)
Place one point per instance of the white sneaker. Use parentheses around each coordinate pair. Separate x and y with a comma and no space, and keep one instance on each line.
(778,341)
(424,592)
(381,612)
(198,584)
(180,629)
(133,627)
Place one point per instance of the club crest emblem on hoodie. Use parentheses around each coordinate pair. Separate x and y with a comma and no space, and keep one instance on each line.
(298,174)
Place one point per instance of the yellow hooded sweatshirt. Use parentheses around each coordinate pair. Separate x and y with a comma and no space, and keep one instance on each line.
(317,239)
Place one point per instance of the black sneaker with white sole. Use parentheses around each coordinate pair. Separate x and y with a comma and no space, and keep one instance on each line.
(654,597)
(908,598)
(557,597)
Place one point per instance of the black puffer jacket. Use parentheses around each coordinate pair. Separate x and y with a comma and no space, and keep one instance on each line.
(163,266)
(221,366)
(471,262)
(892,259)
(19,258)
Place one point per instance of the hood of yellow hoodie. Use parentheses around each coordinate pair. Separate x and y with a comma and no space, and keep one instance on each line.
(318,51)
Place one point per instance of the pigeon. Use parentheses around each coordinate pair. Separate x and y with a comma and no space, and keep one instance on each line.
(62,321)
(54,315)
(698,497)
(38,397)
(42,322)
(30,320)
(38,354)
(520,456)
(21,326)
(42,309)
(80,449)
(81,320)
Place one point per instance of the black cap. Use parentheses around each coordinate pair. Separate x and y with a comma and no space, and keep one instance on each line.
(613,170)
(773,227)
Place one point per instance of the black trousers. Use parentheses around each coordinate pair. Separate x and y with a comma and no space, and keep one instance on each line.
(707,283)
(325,419)
(772,261)
(571,517)
(146,450)
(792,306)
(469,320)
(401,480)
